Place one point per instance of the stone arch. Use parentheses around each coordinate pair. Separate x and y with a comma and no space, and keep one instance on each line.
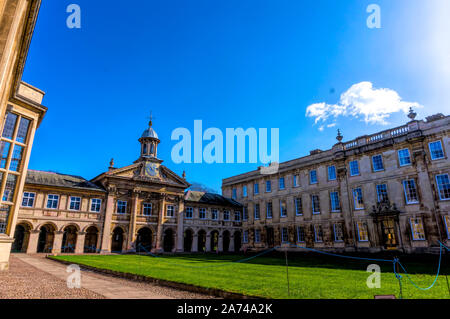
(169,239)
(48,223)
(69,241)
(144,239)
(77,227)
(91,225)
(226,240)
(118,236)
(46,237)
(214,240)
(201,238)
(21,236)
(91,238)
(188,238)
(237,241)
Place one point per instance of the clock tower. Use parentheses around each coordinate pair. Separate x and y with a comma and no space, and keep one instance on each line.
(149,142)
(149,152)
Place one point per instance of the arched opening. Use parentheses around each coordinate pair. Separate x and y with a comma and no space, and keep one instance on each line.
(69,239)
(201,237)
(237,241)
(90,240)
(226,241)
(117,240)
(21,237)
(270,237)
(187,240)
(214,240)
(46,238)
(144,240)
(168,240)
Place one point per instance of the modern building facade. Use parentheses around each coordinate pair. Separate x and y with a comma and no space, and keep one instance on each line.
(386,191)
(21,112)
(142,207)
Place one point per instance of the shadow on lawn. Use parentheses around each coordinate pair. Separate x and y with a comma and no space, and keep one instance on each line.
(419,264)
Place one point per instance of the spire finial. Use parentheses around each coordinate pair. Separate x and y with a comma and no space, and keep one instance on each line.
(184,175)
(339,136)
(111,163)
(412,115)
(151,119)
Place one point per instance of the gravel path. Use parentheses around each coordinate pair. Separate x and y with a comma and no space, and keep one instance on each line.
(34,277)
(24,281)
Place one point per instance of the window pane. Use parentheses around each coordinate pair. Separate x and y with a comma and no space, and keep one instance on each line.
(269,210)
(335,204)
(358,198)
(443,183)
(4,215)
(377,163)
(4,149)
(23,130)
(10,187)
(354,169)
(331,173)
(409,187)
(382,193)
(16,158)
(404,158)
(10,124)
(436,150)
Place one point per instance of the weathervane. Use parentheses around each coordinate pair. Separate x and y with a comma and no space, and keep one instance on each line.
(151,119)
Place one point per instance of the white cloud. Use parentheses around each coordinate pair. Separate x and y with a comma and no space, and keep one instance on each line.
(373,106)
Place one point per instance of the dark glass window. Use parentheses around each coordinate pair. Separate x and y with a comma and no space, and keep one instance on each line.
(10,124)
(23,130)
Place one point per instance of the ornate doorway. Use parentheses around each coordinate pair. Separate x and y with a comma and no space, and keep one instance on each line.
(389,233)
(144,240)
(117,240)
(385,216)
(90,241)
(168,240)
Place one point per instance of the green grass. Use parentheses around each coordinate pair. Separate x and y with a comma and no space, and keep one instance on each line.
(311,277)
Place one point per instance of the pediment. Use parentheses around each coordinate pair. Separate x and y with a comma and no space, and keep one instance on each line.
(149,172)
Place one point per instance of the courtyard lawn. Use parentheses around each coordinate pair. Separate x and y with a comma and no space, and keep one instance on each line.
(311,277)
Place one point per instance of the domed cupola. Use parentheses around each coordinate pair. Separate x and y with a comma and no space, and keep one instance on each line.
(149,142)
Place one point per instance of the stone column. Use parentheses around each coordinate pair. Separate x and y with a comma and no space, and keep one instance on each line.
(220,244)
(231,246)
(208,242)
(109,210)
(424,186)
(33,241)
(132,226)
(79,246)
(57,242)
(194,247)
(159,234)
(347,205)
(180,226)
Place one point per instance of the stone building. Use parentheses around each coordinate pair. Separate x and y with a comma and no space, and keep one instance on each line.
(141,207)
(20,112)
(386,191)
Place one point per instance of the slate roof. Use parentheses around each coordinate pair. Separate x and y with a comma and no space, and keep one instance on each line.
(60,180)
(209,198)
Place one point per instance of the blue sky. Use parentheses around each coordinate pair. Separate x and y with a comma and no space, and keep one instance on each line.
(231,63)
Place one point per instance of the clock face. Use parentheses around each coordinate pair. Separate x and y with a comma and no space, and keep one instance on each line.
(151,169)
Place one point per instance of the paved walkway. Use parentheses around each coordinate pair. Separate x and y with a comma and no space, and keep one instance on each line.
(93,285)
